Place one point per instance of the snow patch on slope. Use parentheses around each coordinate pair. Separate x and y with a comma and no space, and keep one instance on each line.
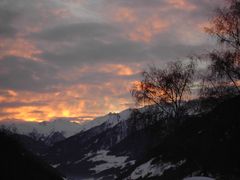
(109,161)
(149,169)
(55,165)
(198,178)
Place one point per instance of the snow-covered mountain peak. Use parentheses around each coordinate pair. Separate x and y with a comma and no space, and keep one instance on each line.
(111,119)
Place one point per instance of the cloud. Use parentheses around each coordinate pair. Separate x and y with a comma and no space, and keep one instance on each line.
(75,58)
(182,4)
(7,19)
(22,74)
(95,51)
(21,104)
(147,30)
(75,101)
(19,47)
(125,14)
(73,31)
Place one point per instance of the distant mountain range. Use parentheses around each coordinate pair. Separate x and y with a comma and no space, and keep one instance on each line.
(62,125)
(67,127)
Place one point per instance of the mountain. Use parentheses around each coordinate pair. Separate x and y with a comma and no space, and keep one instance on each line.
(38,137)
(34,146)
(137,144)
(142,144)
(204,144)
(107,131)
(45,128)
(65,126)
(104,150)
(17,163)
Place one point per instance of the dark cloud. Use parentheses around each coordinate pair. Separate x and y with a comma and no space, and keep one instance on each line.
(21,104)
(37,112)
(100,42)
(75,31)
(172,52)
(7,19)
(5,114)
(98,78)
(90,43)
(153,4)
(25,75)
(96,51)
(22,74)
(143,4)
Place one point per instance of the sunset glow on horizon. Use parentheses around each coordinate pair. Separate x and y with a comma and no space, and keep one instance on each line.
(79,59)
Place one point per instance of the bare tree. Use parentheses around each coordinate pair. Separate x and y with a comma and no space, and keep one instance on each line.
(165,87)
(225,62)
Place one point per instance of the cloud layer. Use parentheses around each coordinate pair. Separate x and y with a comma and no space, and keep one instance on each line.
(78,58)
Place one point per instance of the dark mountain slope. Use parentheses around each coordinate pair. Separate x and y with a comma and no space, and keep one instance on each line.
(35,146)
(72,155)
(17,163)
(208,144)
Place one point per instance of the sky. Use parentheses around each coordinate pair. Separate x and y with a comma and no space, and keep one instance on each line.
(79,58)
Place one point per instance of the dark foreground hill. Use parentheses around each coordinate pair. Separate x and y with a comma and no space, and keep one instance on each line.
(16,163)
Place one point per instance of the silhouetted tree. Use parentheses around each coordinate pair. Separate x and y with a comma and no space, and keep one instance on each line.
(224,65)
(165,87)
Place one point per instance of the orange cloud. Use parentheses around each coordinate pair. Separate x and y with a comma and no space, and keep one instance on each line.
(202,26)
(119,69)
(115,69)
(12,93)
(139,27)
(19,47)
(125,15)
(182,4)
(76,101)
(54,107)
(146,30)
